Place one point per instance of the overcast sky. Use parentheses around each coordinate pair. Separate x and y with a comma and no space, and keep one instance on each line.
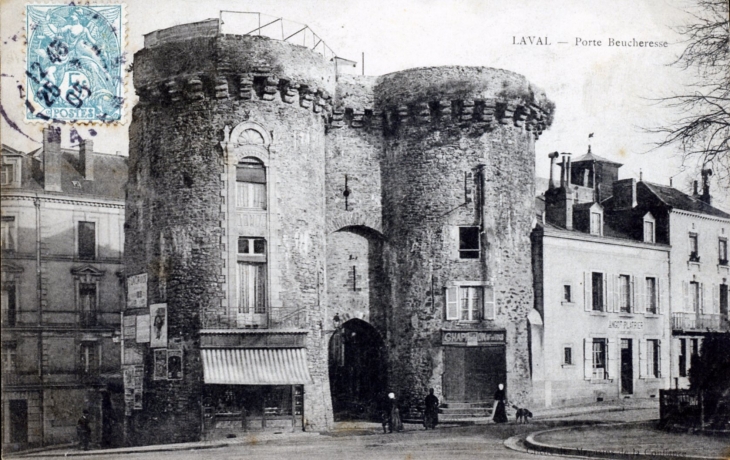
(602,90)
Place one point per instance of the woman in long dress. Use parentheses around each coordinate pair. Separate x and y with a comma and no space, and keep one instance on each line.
(500,410)
(431,413)
(395,421)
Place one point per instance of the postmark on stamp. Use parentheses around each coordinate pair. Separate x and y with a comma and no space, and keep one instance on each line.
(74,63)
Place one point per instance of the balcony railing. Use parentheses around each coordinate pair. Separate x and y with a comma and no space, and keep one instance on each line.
(698,322)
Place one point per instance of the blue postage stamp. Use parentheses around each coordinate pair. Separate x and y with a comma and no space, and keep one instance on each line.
(74,63)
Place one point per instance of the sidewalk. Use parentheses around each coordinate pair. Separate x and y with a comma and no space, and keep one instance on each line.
(633,441)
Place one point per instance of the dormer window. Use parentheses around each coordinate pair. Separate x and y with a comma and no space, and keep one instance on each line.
(649,229)
(596,223)
(10,172)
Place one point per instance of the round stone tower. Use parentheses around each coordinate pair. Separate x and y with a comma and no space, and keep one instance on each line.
(226,217)
(458,208)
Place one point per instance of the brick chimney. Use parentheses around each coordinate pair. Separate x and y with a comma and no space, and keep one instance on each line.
(86,159)
(559,201)
(52,159)
(624,194)
(705,197)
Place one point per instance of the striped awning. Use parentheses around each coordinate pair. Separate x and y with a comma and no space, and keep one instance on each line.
(255,366)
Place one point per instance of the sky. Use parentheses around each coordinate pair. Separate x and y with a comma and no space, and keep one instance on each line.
(605,90)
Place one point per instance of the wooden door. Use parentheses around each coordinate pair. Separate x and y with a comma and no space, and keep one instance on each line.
(18,421)
(453,379)
(627,367)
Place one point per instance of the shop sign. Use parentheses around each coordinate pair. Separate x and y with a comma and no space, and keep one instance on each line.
(626,325)
(472,338)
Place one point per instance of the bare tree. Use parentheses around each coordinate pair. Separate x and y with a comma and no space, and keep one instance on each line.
(701,126)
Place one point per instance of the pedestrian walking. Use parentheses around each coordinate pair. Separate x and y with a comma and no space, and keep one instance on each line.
(395,421)
(83,430)
(499,414)
(431,412)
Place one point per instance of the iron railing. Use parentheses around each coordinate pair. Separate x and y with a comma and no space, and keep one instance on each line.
(260,24)
(690,321)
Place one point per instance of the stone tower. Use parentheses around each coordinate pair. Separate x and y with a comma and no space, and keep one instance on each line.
(315,239)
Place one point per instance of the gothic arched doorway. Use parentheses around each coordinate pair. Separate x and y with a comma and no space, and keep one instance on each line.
(357,367)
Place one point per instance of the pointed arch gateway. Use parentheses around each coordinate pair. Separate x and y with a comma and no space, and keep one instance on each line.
(357,369)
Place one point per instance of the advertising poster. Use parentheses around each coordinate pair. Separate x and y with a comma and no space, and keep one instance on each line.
(158,325)
(143,328)
(137,291)
(160,369)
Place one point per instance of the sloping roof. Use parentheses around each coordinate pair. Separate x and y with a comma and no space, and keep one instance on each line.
(590,156)
(679,200)
(110,174)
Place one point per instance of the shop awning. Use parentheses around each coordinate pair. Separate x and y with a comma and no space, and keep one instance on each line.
(255,366)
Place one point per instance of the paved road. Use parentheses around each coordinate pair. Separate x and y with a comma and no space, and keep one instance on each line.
(472,442)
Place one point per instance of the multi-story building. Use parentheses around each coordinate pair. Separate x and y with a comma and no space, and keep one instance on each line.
(298,239)
(600,328)
(62,291)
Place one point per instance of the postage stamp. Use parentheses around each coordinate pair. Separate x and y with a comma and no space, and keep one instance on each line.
(74,63)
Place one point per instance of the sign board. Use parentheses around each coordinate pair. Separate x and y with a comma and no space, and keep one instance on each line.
(158,325)
(137,291)
(626,325)
(143,328)
(129,327)
(473,338)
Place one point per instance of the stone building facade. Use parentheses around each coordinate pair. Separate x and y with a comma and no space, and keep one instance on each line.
(338,236)
(62,293)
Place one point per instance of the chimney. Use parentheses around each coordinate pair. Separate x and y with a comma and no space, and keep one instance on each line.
(52,159)
(706,173)
(559,201)
(695,192)
(624,194)
(552,157)
(86,159)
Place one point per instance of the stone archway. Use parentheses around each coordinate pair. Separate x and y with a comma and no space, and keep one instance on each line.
(357,370)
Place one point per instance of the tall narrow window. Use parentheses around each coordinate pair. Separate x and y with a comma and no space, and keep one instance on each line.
(9,305)
(7,174)
(624,282)
(10,357)
(87,304)
(648,231)
(250,184)
(599,359)
(653,358)
(694,250)
(682,357)
(251,276)
(597,291)
(722,249)
(567,356)
(468,242)
(723,302)
(694,296)
(596,223)
(651,295)
(87,240)
(89,358)
(7,233)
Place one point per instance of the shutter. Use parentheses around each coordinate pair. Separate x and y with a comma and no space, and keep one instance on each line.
(702,298)
(658,357)
(454,242)
(634,307)
(587,292)
(452,303)
(608,292)
(659,295)
(643,369)
(685,294)
(642,295)
(612,359)
(587,359)
(489,303)
(674,362)
(715,298)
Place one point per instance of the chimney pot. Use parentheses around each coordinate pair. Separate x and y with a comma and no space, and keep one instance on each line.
(52,159)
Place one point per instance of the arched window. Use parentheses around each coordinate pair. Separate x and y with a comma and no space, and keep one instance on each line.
(250,184)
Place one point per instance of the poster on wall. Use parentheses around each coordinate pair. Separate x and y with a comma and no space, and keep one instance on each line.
(129,327)
(174,364)
(160,369)
(128,377)
(143,328)
(138,386)
(137,291)
(158,325)
(132,355)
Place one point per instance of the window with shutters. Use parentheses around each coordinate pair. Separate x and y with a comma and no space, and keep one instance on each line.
(653,358)
(469,303)
(624,284)
(650,293)
(250,184)
(597,292)
(600,359)
(468,242)
(86,234)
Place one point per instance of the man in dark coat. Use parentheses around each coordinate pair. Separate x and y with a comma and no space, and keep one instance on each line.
(431,412)
(83,430)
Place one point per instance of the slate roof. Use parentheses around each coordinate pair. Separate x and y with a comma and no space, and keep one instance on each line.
(110,174)
(680,200)
(590,156)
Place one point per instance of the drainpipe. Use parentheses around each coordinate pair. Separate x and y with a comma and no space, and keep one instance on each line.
(39,298)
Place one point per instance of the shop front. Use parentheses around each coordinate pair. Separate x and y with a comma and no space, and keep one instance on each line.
(474,364)
(249,390)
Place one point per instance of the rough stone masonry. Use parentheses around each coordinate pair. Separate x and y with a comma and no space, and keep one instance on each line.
(424,151)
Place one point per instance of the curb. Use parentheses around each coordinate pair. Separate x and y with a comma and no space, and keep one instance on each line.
(122,451)
(535,447)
